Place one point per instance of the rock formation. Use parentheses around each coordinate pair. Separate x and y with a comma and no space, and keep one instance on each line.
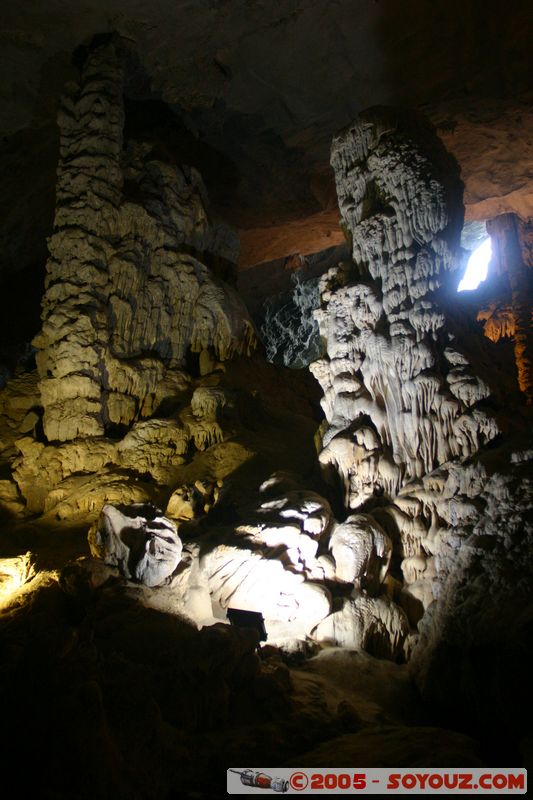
(402,550)
(409,423)
(362,552)
(131,293)
(127,293)
(399,398)
(289,330)
(139,540)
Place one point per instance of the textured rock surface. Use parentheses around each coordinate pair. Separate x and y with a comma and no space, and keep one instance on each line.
(362,552)
(131,313)
(191,501)
(411,436)
(19,400)
(393,413)
(365,623)
(289,330)
(268,563)
(139,540)
(512,313)
(124,299)
(481,134)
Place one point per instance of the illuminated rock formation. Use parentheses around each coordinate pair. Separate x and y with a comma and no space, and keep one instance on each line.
(127,292)
(409,423)
(362,552)
(365,623)
(399,399)
(139,540)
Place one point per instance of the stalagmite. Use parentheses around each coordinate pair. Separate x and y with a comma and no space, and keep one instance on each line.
(407,417)
(125,300)
(399,197)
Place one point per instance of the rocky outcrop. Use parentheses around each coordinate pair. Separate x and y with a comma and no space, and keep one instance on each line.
(139,540)
(128,293)
(153,451)
(400,398)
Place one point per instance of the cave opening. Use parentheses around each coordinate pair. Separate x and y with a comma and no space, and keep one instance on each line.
(477,267)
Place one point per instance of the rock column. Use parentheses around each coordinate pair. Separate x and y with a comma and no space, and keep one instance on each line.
(400,398)
(127,293)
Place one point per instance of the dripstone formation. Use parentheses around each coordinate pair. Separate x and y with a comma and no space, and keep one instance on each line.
(127,294)
(408,420)
(399,397)
(132,300)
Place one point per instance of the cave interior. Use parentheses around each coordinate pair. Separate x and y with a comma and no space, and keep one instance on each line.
(245,366)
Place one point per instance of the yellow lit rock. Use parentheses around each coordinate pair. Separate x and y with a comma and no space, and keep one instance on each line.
(14,573)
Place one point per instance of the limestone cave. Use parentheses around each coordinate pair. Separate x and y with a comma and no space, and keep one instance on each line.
(265,441)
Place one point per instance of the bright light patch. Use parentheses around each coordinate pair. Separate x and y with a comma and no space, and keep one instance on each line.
(476,269)
(14,573)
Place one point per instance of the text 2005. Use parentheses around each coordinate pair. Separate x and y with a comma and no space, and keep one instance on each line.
(343,781)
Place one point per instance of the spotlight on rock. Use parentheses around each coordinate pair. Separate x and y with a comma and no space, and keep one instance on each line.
(14,573)
(137,539)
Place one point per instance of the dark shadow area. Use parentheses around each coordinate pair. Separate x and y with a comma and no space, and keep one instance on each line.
(433,50)
(28,162)
(154,122)
(106,698)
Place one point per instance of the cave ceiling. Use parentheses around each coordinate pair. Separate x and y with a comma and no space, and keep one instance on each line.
(252,92)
